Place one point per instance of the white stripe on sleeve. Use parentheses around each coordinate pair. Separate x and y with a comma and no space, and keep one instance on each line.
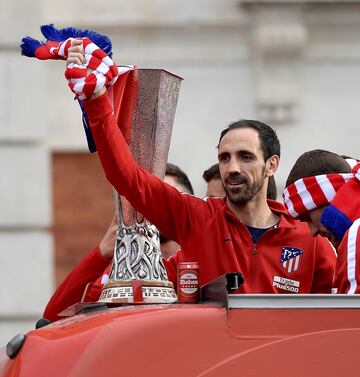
(351,256)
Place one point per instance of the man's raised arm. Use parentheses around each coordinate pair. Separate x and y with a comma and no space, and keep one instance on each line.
(160,203)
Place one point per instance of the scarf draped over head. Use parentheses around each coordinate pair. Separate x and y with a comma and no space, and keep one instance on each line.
(339,192)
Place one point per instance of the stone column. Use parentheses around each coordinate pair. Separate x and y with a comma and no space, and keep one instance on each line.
(278,41)
(25,200)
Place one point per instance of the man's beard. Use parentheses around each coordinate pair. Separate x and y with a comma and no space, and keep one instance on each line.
(243,195)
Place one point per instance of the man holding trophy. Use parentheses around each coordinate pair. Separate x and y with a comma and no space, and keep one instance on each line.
(243,232)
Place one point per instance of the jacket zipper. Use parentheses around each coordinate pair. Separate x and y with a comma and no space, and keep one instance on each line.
(254,253)
(254,269)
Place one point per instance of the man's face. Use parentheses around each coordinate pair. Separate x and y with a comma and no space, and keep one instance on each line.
(312,219)
(215,188)
(242,165)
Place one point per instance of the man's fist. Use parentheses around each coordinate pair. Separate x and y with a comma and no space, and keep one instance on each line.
(89,70)
(76,53)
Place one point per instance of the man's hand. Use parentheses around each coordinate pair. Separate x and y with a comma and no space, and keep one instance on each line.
(76,55)
(107,244)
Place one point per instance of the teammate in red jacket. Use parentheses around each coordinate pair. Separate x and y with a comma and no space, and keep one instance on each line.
(242,232)
(322,191)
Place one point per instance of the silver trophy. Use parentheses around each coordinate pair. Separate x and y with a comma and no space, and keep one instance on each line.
(138,274)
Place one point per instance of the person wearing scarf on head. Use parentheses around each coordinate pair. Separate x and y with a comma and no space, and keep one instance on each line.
(321,191)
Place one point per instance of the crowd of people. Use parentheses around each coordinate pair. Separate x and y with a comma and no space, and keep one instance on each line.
(239,225)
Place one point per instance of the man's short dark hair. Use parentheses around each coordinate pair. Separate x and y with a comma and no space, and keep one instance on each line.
(317,162)
(212,173)
(174,171)
(269,142)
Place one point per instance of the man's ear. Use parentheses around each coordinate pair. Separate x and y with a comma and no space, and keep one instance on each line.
(272,165)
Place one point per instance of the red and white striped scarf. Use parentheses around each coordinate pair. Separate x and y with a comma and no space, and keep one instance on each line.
(82,82)
(86,79)
(98,70)
(309,193)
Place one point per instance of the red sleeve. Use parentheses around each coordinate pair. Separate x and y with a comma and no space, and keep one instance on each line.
(70,291)
(325,261)
(160,203)
(347,279)
(171,265)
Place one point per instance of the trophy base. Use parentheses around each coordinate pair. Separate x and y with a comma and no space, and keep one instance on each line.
(138,292)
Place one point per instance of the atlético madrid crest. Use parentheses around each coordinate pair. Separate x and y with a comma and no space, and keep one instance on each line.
(291,258)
